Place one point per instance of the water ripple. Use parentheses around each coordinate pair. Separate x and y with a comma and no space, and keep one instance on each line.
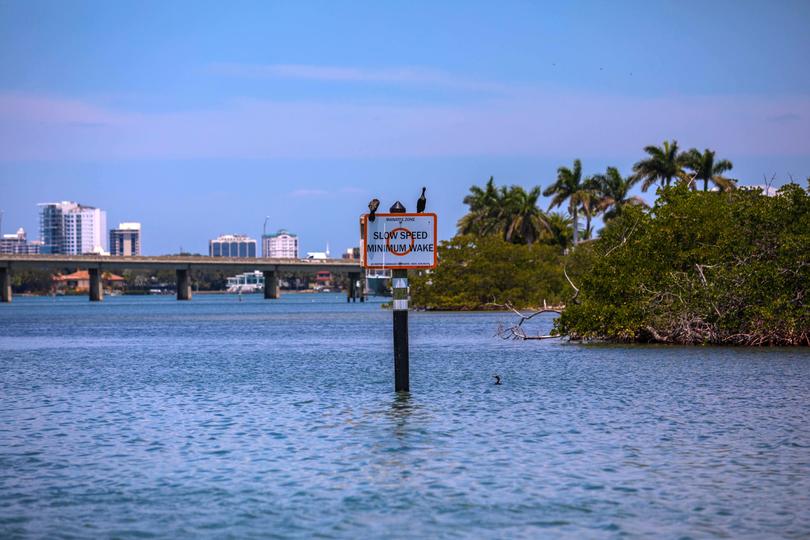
(149,418)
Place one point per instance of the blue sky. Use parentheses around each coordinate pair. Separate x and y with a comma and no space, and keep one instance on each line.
(202,118)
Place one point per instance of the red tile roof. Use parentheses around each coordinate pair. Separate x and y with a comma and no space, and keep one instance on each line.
(84,275)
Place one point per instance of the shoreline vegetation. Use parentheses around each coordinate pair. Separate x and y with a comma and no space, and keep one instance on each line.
(726,266)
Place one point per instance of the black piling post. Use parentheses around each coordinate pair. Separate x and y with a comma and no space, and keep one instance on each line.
(351,288)
(401,361)
(400,290)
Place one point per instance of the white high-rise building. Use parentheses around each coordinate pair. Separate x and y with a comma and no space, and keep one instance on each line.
(70,228)
(282,245)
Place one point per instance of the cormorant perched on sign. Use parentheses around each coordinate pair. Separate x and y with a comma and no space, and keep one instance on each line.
(497,379)
(420,204)
(372,207)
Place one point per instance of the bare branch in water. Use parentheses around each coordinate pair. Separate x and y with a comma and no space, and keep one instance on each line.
(516,331)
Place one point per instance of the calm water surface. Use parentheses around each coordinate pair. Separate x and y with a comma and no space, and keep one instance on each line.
(148,417)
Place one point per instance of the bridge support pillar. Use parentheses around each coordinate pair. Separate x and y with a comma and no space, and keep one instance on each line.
(5,285)
(96,285)
(351,290)
(271,290)
(184,284)
(362,276)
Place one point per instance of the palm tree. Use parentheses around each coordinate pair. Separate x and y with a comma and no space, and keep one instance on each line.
(568,187)
(590,202)
(525,222)
(663,165)
(705,168)
(510,213)
(614,192)
(560,232)
(485,205)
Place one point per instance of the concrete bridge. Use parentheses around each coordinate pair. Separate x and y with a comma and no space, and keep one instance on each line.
(96,265)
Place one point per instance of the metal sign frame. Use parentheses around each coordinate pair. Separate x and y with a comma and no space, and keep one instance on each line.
(401,266)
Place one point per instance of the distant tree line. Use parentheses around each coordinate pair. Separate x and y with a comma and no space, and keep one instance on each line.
(513,213)
(31,282)
(137,281)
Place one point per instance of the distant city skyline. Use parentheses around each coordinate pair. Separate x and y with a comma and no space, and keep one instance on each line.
(196,119)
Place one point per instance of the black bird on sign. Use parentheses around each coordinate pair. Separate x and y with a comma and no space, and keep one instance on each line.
(372,207)
(420,204)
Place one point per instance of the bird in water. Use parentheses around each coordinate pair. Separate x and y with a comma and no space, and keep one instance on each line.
(372,207)
(420,204)
(497,379)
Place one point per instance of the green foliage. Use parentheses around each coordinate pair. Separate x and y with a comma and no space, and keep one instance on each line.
(31,281)
(613,193)
(210,280)
(510,213)
(525,222)
(476,272)
(702,267)
(484,217)
(560,231)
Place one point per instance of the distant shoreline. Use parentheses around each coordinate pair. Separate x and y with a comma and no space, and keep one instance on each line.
(84,293)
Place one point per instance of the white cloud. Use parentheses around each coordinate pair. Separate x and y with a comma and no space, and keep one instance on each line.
(400,76)
(31,109)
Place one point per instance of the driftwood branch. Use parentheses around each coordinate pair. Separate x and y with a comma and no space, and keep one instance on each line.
(516,331)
